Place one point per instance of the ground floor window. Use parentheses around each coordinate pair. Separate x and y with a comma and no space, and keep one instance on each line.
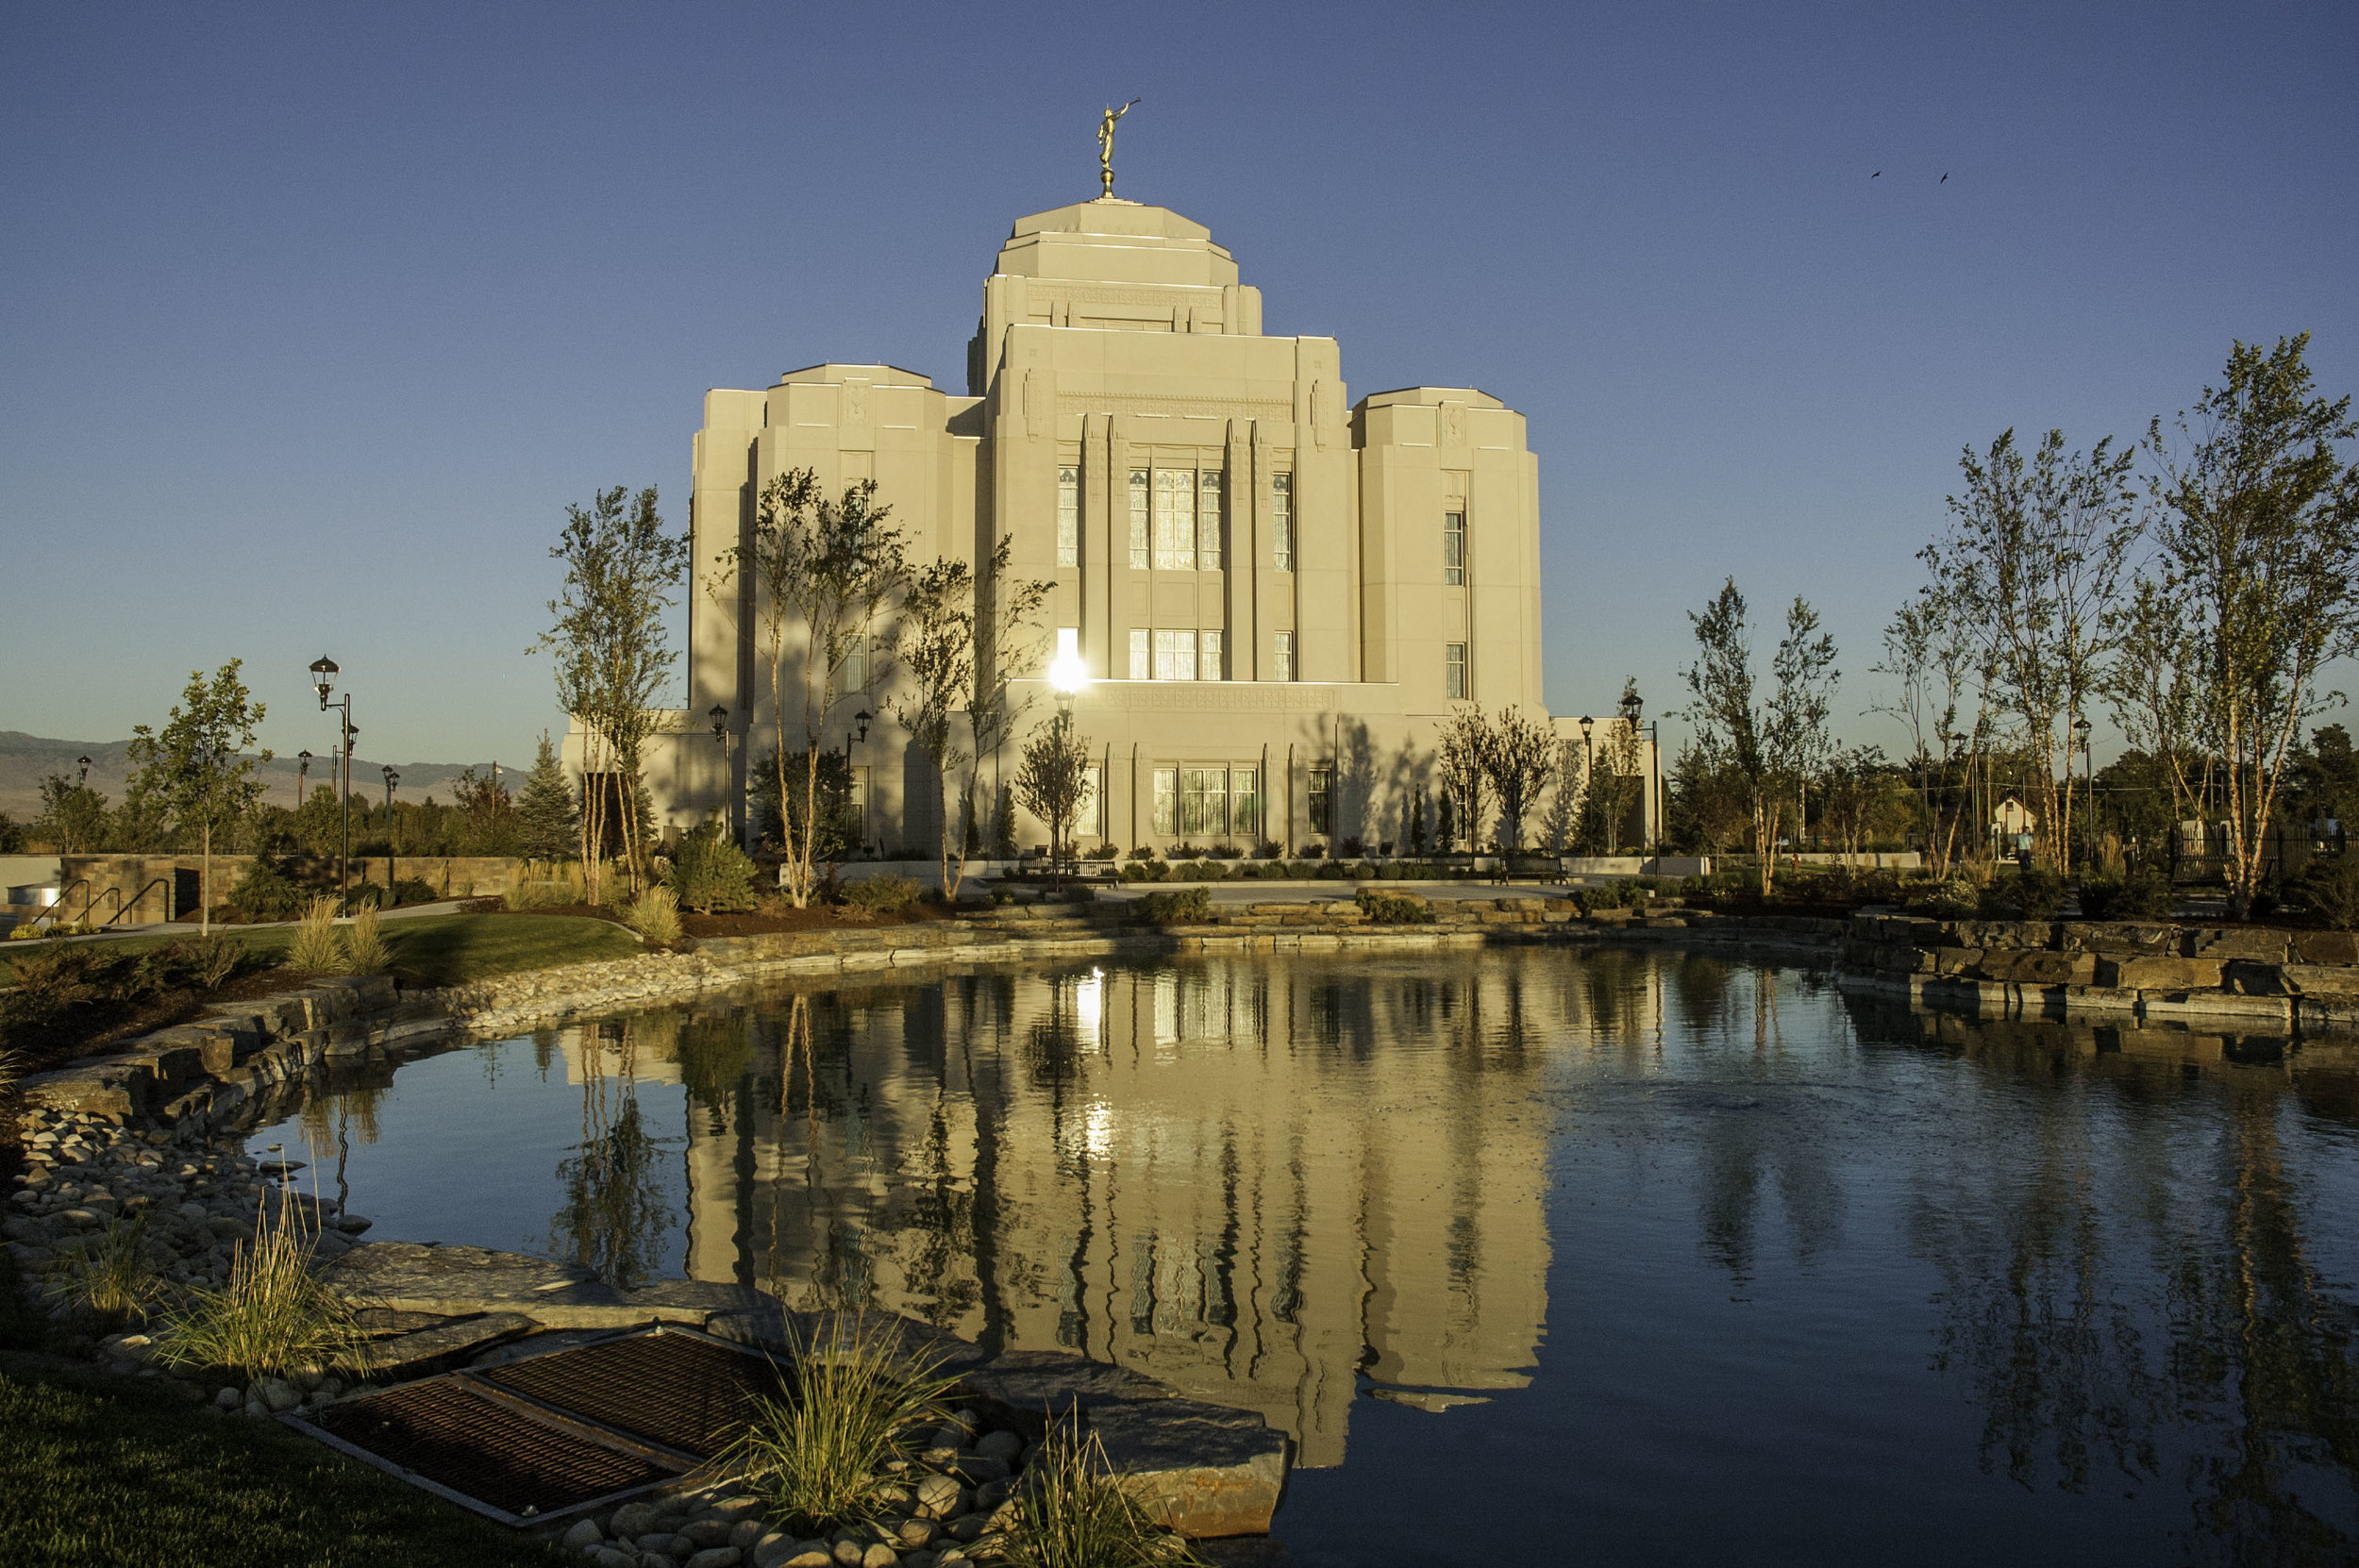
(1089,820)
(1320,798)
(1207,802)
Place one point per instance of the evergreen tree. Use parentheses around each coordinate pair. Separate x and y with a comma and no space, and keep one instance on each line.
(546,817)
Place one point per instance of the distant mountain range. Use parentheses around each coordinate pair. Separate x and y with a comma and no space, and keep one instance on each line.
(26,760)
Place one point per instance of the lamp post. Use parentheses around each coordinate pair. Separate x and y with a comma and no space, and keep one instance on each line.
(720,717)
(303,776)
(392,778)
(1633,706)
(2082,729)
(324,673)
(81,780)
(1068,677)
(1588,760)
(862,718)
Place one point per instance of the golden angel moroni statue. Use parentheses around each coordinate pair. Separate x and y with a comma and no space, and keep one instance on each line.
(1106,149)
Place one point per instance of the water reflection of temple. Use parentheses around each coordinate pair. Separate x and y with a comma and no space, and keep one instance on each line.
(1250,1181)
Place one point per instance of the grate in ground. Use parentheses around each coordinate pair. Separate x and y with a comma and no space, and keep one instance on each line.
(682,1392)
(444,1432)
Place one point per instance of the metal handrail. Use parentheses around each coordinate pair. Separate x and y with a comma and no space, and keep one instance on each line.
(57,902)
(134,901)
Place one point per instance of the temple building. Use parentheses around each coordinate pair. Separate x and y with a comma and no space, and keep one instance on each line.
(1278,592)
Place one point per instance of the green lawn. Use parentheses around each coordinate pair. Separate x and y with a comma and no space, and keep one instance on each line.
(447,949)
(100,1470)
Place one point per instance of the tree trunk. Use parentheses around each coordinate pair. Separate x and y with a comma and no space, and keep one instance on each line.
(205,886)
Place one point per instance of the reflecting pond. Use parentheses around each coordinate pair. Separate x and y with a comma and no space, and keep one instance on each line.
(1538,1256)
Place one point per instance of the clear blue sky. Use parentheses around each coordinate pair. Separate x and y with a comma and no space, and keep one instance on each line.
(314,316)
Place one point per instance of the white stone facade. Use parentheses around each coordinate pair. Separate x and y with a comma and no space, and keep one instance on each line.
(1278,592)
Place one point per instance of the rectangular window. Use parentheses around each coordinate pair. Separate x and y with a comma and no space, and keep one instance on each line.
(1282,522)
(1166,801)
(1208,665)
(1138,520)
(1281,664)
(1089,822)
(1174,520)
(1321,797)
(1245,794)
(1453,546)
(1068,517)
(1175,655)
(1454,671)
(1142,654)
(855,663)
(1203,802)
(1208,520)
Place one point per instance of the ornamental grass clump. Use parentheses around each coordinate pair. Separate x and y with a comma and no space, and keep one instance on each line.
(365,952)
(111,1275)
(853,1402)
(1073,1512)
(315,948)
(655,915)
(274,1315)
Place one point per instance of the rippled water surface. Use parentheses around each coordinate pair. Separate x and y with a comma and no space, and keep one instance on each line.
(1538,1256)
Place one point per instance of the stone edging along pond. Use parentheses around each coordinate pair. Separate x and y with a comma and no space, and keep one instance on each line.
(2254,978)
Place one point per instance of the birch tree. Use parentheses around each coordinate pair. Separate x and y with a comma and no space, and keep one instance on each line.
(939,645)
(2257,551)
(613,655)
(822,573)
(1466,784)
(1928,651)
(2035,557)
(1767,747)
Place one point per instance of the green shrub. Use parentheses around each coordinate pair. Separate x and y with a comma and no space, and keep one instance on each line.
(712,874)
(2329,891)
(1388,907)
(2142,893)
(267,893)
(854,1404)
(2033,894)
(878,895)
(413,890)
(211,959)
(1953,898)
(655,915)
(1187,906)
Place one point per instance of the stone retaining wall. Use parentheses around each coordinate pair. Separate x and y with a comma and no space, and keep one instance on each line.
(2252,978)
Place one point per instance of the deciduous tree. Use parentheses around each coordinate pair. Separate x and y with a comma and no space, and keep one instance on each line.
(1768,746)
(196,768)
(2033,561)
(2257,549)
(940,644)
(1054,782)
(1519,756)
(613,654)
(822,573)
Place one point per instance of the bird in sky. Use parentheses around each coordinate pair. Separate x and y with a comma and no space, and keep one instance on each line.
(1877,175)
(1943,180)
